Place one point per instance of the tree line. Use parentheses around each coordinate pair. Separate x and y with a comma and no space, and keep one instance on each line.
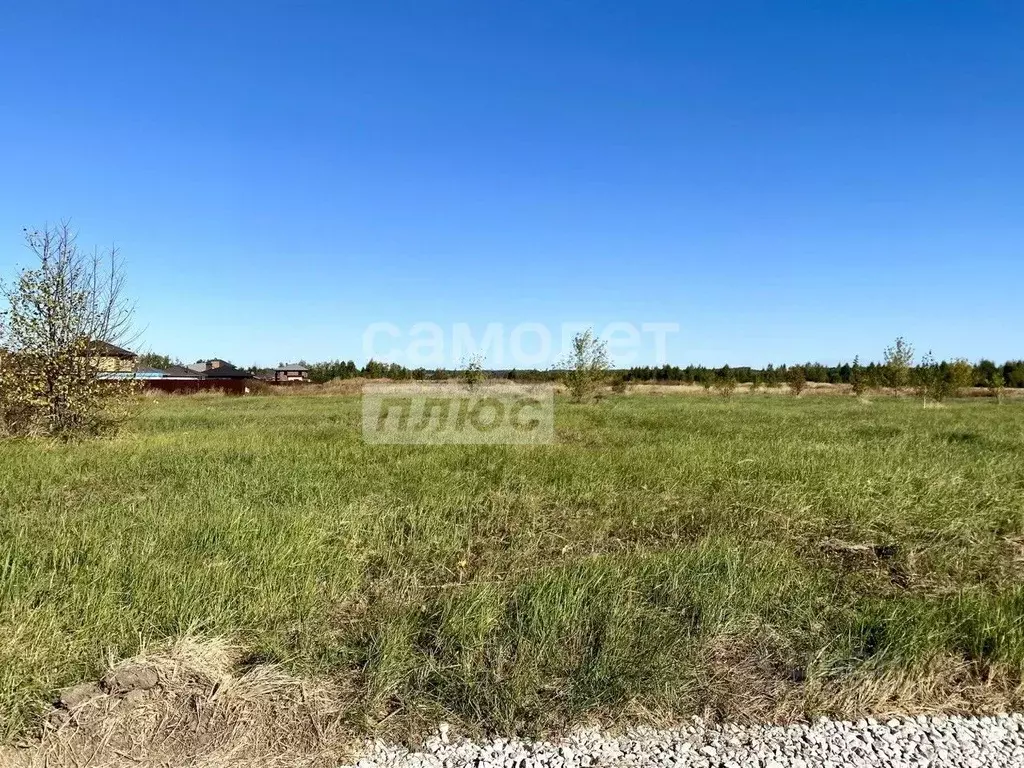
(985,373)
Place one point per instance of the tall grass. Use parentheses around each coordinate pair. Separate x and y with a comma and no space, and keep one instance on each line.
(758,556)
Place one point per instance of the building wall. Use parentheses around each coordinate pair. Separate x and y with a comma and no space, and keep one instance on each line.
(112,364)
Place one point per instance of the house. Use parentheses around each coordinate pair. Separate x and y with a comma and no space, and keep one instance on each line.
(217,369)
(180,372)
(110,358)
(291,374)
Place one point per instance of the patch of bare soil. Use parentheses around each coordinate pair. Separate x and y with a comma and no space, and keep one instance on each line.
(186,705)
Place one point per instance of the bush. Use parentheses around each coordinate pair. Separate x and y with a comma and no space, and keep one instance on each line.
(473,372)
(725,385)
(939,381)
(586,366)
(796,379)
(997,386)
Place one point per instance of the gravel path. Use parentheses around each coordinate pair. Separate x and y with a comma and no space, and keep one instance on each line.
(936,742)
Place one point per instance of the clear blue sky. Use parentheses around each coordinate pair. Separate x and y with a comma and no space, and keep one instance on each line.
(786,181)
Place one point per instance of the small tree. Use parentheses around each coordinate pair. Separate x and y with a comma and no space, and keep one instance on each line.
(858,378)
(62,314)
(928,380)
(796,378)
(725,384)
(586,366)
(997,386)
(898,360)
(961,376)
(473,371)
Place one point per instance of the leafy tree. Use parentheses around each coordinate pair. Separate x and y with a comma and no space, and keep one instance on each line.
(898,360)
(996,386)
(960,376)
(1013,374)
(320,373)
(152,360)
(55,372)
(374,369)
(985,372)
(796,379)
(586,366)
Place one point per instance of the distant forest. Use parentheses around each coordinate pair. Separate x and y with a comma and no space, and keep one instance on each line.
(984,373)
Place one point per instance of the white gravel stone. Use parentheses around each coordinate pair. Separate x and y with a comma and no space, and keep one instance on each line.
(932,742)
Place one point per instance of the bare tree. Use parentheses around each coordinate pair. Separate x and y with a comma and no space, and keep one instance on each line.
(62,315)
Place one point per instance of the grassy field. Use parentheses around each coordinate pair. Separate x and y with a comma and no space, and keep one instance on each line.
(750,557)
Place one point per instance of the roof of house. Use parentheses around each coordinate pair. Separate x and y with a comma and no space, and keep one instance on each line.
(106,349)
(179,371)
(292,367)
(226,371)
(138,373)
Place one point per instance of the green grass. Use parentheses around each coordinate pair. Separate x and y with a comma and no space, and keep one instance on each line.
(668,555)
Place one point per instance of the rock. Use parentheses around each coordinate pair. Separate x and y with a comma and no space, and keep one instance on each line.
(77,695)
(135,677)
(912,742)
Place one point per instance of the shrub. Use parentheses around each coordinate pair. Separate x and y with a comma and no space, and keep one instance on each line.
(586,366)
(725,385)
(939,381)
(858,378)
(796,379)
(997,386)
(473,372)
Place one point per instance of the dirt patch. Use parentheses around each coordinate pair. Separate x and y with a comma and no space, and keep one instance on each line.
(186,705)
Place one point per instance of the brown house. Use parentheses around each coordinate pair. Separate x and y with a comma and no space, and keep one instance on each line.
(291,374)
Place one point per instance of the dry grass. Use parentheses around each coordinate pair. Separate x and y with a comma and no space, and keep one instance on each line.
(202,712)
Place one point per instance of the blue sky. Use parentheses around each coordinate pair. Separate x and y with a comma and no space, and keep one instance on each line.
(786,181)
